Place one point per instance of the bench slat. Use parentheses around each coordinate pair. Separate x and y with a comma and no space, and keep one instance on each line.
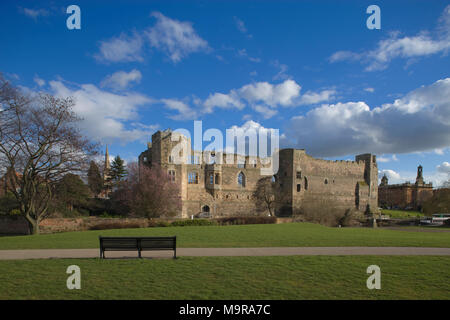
(136,243)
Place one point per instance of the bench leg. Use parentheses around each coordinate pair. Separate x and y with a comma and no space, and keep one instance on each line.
(140,256)
(175,253)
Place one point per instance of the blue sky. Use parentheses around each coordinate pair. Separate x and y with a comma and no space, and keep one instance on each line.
(311,69)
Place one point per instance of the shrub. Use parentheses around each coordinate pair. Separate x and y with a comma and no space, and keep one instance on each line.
(246,220)
(162,224)
(195,222)
(116,225)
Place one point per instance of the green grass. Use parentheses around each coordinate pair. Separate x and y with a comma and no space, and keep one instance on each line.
(402,213)
(294,277)
(263,235)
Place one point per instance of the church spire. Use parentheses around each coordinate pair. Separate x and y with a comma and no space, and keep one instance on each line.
(107,163)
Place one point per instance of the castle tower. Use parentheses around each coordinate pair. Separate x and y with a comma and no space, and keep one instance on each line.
(419,178)
(384,181)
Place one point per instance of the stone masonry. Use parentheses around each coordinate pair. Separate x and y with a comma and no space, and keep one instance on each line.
(222,189)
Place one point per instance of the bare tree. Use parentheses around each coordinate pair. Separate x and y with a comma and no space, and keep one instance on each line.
(268,196)
(40,143)
(149,192)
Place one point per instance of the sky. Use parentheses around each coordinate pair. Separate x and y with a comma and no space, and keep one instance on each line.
(311,69)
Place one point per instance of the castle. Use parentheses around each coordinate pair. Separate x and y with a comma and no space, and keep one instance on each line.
(219,188)
(405,195)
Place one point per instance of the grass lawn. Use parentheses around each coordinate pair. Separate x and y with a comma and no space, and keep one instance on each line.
(263,235)
(294,277)
(402,213)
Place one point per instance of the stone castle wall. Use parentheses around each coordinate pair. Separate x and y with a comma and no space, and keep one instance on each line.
(341,184)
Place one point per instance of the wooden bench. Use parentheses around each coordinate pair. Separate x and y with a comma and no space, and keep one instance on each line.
(138,244)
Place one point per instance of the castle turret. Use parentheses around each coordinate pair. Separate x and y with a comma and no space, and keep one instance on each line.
(419,178)
(384,181)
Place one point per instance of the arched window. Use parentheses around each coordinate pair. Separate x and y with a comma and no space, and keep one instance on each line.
(205,209)
(325,181)
(299,187)
(241,179)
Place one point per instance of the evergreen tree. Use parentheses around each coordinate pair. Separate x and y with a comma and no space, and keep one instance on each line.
(118,171)
(95,180)
(71,191)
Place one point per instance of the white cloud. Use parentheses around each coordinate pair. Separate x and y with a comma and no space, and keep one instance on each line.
(106,116)
(40,82)
(121,49)
(281,74)
(176,38)
(185,112)
(393,176)
(423,44)
(243,53)
(420,121)
(444,167)
(34,13)
(371,90)
(387,159)
(121,79)
(247,129)
(240,25)
(221,100)
(263,97)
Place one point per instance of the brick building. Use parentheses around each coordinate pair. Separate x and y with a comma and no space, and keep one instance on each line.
(405,195)
(223,189)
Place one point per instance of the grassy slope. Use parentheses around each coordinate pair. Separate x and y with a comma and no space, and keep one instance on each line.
(292,277)
(290,234)
(402,213)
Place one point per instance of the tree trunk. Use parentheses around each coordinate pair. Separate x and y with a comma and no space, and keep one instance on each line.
(33,225)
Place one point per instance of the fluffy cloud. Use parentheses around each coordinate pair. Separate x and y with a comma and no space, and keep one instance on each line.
(121,79)
(184,111)
(176,38)
(393,177)
(420,121)
(423,44)
(106,116)
(263,97)
(121,49)
(444,167)
(40,82)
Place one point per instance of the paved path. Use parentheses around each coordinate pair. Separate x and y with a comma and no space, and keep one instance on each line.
(216,252)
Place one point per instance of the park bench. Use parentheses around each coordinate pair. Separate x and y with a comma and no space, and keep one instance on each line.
(138,244)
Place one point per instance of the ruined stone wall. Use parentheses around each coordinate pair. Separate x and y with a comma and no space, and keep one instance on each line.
(340,184)
(303,180)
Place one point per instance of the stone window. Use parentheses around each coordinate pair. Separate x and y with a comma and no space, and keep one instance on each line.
(217,179)
(193,178)
(299,174)
(170,159)
(241,180)
(306,183)
(325,181)
(211,178)
(172,175)
(299,187)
